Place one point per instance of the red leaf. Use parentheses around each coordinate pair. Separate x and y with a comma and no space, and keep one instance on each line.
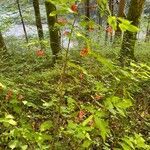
(66,33)
(81,114)
(40,53)
(81,76)
(9,95)
(91,29)
(62,21)
(20,97)
(84,52)
(98,97)
(109,29)
(74,7)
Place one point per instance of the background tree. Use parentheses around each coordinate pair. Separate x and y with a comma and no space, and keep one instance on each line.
(87,13)
(111,7)
(3,49)
(2,43)
(22,20)
(54,32)
(147,38)
(129,38)
(38,21)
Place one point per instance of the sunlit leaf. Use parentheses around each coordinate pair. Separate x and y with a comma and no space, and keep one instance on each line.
(46,125)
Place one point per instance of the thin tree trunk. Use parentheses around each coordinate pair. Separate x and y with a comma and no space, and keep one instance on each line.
(22,21)
(111,8)
(55,41)
(87,13)
(38,21)
(147,38)
(99,17)
(129,38)
(121,14)
(2,43)
(3,49)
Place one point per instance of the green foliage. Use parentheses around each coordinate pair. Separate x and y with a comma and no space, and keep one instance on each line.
(83,102)
(124,24)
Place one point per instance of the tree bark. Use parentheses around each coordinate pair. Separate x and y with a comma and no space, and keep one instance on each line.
(129,38)
(111,8)
(3,49)
(147,38)
(22,21)
(54,32)
(2,43)
(38,21)
(87,13)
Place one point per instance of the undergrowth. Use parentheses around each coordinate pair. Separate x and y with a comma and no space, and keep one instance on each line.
(99,105)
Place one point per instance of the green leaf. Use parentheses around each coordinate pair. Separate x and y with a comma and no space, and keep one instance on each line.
(80,35)
(112,20)
(8,119)
(46,125)
(12,122)
(105,62)
(123,27)
(140,142)
(53,13)
(86,121)
(128,141)
(13,144)
(29,104)
(48,104)
(77,67)
(24,147)
(8,116)
(117,105)
(102,125)
(126,25)
(125,146)
(86,143)
(124,21)
(124,104)
(132,28)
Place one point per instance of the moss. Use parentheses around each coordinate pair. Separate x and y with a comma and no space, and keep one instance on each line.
(53,30)
(129,39)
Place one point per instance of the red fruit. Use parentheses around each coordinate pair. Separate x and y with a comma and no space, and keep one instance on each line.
(74,7)
(40,53)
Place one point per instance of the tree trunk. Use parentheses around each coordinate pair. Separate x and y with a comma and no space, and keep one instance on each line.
(147,38)
(121,14)
(99,18)
(2,43)
(23,24)
(3,49)
(111,8)
(54,32)
(38,21)
(129,38)
(87,13)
